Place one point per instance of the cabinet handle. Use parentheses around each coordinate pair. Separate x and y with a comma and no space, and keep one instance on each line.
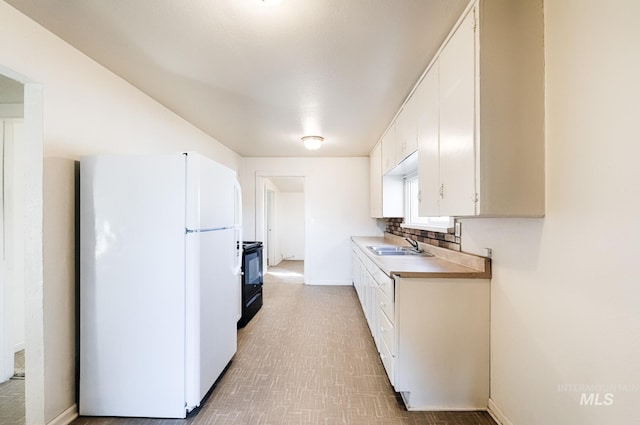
(382,356)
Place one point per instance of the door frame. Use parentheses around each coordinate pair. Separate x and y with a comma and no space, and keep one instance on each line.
(271,226)
(11,249)
(33,245)
(260,207)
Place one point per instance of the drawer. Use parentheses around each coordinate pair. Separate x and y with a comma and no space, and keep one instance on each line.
(370,265)
(387,332)
(386,284)
(387,306)
(388,361)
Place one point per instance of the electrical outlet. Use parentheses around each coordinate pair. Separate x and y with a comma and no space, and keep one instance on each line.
(457,229)
(488,252)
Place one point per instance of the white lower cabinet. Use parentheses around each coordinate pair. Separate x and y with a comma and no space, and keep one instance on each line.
(442,331)
(432,336)
(363,271)
(388,360)
(387,332)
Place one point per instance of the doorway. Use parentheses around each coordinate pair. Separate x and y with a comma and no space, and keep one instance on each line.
(271,228)
(12,261)
(280,220)
(29,182)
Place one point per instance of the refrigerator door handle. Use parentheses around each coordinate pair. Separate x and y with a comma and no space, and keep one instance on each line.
(209,229)
(238,226)
(238,204)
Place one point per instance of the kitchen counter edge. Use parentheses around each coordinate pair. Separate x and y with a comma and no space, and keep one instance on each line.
(445,264)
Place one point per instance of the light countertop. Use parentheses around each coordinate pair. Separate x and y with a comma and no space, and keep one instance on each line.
(444,264)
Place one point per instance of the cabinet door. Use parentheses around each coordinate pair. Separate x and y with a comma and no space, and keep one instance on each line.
(457,122)
(375,182)
(407,130)
(428,144)
(389,150)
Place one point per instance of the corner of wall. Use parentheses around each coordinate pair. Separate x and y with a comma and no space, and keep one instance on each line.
(497,414)
(66,417)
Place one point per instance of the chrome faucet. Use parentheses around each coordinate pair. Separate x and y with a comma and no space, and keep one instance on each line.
(413,243)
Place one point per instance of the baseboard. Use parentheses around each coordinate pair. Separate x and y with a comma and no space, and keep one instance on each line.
(66,417)
(497,414)
(18,347)
(464,407)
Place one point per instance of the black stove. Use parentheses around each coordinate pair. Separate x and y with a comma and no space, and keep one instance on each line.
(251,244)
(251,280)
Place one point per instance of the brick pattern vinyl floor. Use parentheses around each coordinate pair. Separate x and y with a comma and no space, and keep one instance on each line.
(12,395)
(12,402)
(307,357)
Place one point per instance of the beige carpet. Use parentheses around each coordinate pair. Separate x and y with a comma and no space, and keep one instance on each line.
(307,357)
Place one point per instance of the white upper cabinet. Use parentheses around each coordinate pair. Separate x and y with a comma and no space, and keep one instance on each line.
(487,142)
(389,150)
(375,176)
(428,97)
(477,118)
(401,140)
(510,108)
(386,192)
(407,130)
(457,122)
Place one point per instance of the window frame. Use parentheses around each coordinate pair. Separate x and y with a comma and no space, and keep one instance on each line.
(432,224)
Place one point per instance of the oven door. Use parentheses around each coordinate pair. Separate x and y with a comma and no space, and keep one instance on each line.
(252,272)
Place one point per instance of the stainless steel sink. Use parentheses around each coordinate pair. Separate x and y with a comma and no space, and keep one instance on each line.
(396,250)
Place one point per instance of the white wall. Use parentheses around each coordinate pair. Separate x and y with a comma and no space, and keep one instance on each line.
(60,285)
(291,225)
(84,109)
(336,207)
(87,108)
(566,288)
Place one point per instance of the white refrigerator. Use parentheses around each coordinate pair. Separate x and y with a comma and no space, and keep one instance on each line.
(160,256)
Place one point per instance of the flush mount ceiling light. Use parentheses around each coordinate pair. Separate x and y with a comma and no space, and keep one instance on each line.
(312,142)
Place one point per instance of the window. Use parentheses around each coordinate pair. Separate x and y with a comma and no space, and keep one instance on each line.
(412,219)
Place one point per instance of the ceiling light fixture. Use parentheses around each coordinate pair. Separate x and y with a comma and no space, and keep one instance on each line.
(312,142)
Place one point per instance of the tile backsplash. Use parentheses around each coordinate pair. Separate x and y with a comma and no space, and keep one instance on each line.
(443,240)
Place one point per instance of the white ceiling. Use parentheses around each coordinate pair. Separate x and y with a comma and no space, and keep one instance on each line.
(258,78)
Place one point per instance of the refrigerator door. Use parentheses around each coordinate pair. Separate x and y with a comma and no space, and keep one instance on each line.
(211,318)
(212,284)
(132,293)
(210,194)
